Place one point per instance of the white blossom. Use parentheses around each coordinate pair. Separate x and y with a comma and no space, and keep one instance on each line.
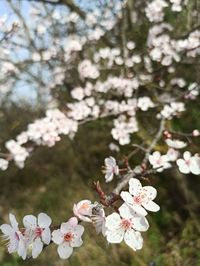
(15,238)
(172,154)
(68,237)
(3,164)
(126,226)
(144,103)
(83,210)
(111,168)
(37,232)
(189,164)
(140,198)
(159,161)
(175,143)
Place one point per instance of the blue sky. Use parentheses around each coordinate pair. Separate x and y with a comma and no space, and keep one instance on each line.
(22,92)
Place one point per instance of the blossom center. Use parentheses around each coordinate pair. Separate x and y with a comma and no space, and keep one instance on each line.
(159,161)
(16,236)
(38,231)
(187,162)
(137,199)
(126,224)
(84,206)
(68,237)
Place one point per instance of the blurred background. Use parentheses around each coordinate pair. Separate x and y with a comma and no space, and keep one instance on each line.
(38,69)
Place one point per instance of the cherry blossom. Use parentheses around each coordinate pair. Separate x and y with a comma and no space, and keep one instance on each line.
(171,110)
(196,133)
(111,168)
(68,237)
(189,164)
(19,153)
(130,45)
(172,154)
(15,238)
(144,103)
(83,210)
(175,143)
(123,128)
(112,80)
(154,10)
(140,198)
(126,226)
(3,164)
(37,232)
(159,161)
(88,70)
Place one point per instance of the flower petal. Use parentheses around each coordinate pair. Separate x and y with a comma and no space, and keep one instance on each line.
(76,242)
(37,247)
(115,236)
(187,155)
(44,220)
(125,211)
(138,209)
(135,186)
(109,176)
(133,239)
(113,221)
(46,236)
(13,221)
(64,250)
(140,224)
(183,167)
(195,165)
(6,229)
(151,206)
(22,250)
(13,244)
(65,227)
(73,221)
(30,222)
(126,196)
(110,161)
(78,230)
(57,237)
(149,192)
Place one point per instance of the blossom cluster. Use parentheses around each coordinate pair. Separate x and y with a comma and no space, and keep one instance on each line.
(126,224)
(187,164)
(130,221)
(116,79)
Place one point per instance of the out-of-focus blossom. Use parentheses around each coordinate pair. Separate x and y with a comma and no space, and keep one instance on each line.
(172,154)
(111,168)
(18,153)
(189,164)
(130,45)
(154,10)
(175,143)
(123,128)
(87,70)
(196,133)
(3,164)
(171,110)
(144,103)
(159,161)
